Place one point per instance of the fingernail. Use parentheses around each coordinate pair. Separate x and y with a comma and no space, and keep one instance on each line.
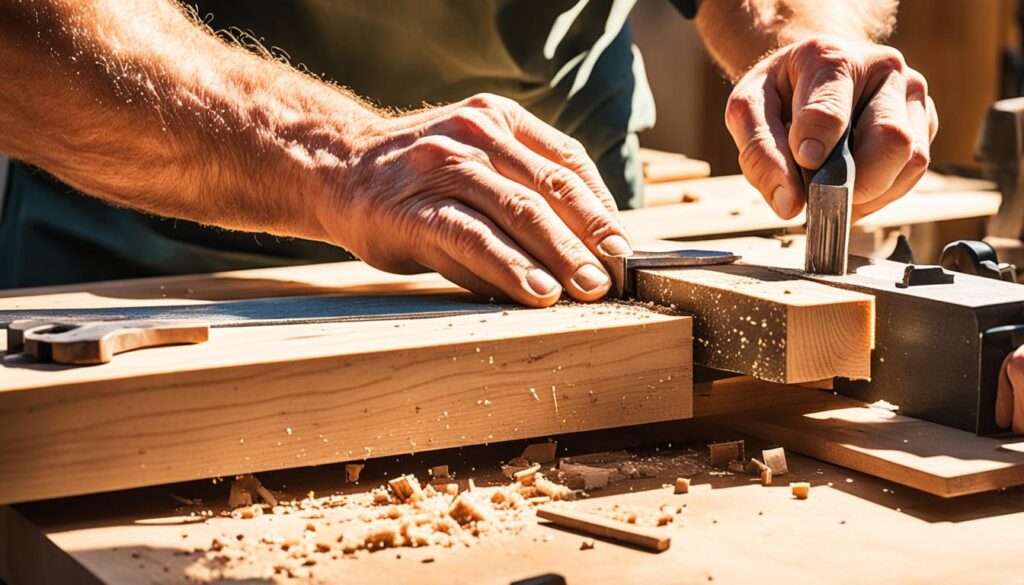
(615,246)
(541,283)
(589,277)
(812,152)
(784,202)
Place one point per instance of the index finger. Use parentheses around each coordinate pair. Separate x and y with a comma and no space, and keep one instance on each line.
(822,103)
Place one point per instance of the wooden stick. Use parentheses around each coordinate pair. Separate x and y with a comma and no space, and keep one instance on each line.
(606,528)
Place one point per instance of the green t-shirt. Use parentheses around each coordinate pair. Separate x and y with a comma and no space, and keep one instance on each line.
(570,62)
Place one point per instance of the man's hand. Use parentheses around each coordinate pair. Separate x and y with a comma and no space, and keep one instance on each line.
(791,108)
(1010,395)
(485,194)
(481,191)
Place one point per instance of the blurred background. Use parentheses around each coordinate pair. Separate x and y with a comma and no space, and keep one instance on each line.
(969,50)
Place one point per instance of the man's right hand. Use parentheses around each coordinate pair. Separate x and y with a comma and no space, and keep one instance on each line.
(484,193)
(1010,394)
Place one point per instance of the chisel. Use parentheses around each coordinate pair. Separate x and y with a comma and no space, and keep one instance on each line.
(829,206)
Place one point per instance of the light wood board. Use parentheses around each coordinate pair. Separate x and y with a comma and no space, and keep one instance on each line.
(930,457)
(283,396)
(775,327)
(730,205)
(853,529)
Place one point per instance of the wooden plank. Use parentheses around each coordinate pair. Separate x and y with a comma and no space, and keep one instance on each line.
(730,205)
(773,326)
(661,167)
(143,536)
(646,538)
(933,458)
(283,396)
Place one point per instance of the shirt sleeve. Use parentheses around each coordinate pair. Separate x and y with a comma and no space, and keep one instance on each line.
(688,8)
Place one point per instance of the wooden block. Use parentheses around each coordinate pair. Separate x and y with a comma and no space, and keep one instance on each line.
(933,458)
(720,454)
(773,326)
(585,477)
(406,487)
(800,489)
(606,528)
(682,485)
(439,472)
(275,397)
(775,459)
(540,452)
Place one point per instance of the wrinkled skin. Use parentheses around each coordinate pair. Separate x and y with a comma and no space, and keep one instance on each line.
(487,195)
(791,108)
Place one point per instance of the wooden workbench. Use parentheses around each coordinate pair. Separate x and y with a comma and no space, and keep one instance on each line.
(862,530)
(853,529)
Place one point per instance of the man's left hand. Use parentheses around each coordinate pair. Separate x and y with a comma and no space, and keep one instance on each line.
(791,108)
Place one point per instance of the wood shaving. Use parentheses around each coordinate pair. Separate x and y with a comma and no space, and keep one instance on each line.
(800,489)
(352,471)
(682,485)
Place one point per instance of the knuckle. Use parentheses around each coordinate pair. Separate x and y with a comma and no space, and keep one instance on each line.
(825,112)
(739,111)
(525,211)
(895,137)
(1015,365)
(916,84)
(555,182)
(890,59)
(454,234)
(757,162)
(920,158)
(470,121)
(823,52)
(433,151)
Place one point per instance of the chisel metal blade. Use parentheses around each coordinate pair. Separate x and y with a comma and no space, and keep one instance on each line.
(829,207)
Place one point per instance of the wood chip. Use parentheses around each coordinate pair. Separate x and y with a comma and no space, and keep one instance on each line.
(776,459)
(527,476)
(587,545)
(755,466)
(439,472)
(766,476)
(800,489)
(682,485)
(540,452)
(722,453)
(406,487)
(551,489)
(352,471)
(466,509)
(246,490)
(584,477)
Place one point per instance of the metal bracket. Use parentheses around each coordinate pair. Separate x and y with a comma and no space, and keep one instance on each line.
(914,275)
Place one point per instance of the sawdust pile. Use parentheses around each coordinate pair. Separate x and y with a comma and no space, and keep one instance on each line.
(401,514)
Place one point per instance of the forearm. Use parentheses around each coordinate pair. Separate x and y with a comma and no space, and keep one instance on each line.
(738,33)
(132,102)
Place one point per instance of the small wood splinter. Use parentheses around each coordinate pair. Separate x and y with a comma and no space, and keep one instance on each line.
(682,485)
(801,489)
(352,471)
(722,453)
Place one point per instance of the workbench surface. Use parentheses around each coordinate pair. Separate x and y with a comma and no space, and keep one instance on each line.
(853,529)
